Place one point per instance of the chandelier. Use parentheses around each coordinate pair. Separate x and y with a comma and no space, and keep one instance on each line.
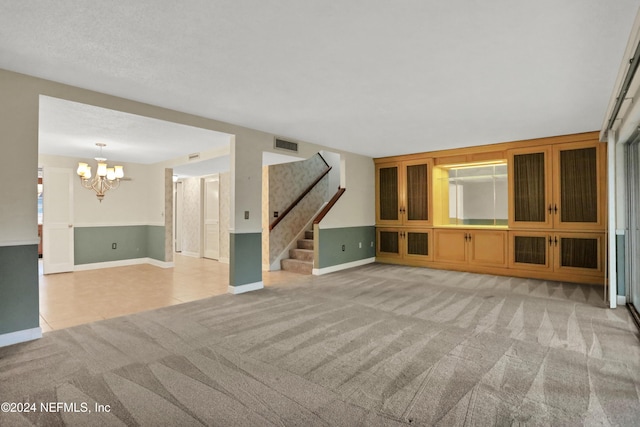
(106,178)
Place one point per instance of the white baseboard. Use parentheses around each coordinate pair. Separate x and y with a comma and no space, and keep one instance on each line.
(122,263)
(224,260)
(621,300)
(20,336)
(191,254)
(241,289)
(161,264)
(339,267)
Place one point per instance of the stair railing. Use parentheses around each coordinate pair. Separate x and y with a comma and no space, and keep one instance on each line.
(301,196)
(329,205)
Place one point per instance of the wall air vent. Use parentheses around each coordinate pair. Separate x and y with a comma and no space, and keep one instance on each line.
(194,156)
(286,145)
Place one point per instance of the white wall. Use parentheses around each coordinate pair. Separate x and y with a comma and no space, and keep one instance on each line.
(356,207)
(136,202)
(333,160)
(479,200)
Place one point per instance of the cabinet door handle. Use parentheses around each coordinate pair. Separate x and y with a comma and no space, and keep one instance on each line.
(550,209)
(555,208)
(555,240)
(469,236)
(550,241)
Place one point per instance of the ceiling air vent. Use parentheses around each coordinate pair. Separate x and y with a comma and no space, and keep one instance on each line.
(194,156)
(286,145)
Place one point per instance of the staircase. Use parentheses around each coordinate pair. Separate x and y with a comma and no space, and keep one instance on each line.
(300,259)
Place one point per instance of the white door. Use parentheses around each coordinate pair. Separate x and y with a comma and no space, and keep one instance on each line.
(57,220)
(178,217)
(212,217)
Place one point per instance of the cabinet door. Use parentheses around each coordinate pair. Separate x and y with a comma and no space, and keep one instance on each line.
(530,187)
(530,250)
(450,245)
(579,189)
(579,253)
(488,247)
(416,206)
(388,194)
(417,244)
(388,243)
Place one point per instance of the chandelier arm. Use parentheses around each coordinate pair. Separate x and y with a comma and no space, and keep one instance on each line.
(86,183)
(98,186)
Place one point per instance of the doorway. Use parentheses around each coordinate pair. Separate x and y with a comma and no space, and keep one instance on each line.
(97,240)
(202,214)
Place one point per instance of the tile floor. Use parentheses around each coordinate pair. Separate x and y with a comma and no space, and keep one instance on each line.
(69,299)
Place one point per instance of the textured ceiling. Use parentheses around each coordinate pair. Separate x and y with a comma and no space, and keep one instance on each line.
(73,129)
(374,77)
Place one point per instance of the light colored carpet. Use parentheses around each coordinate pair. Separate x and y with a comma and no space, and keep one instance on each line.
(376,345)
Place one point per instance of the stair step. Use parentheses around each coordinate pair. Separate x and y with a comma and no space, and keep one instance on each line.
(297,266)
(305,244)
(301,254)
(308,234)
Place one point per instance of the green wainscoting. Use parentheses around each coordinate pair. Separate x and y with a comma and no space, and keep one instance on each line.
(245,258)
(19,296)
(95,244)
(331,240)
(156,242)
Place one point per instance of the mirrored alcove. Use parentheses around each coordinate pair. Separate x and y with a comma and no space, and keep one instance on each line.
(472,194)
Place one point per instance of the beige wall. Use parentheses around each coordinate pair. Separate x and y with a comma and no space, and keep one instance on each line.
(356,207)
(19,123)
(19,140)
(19,159)
(139,201)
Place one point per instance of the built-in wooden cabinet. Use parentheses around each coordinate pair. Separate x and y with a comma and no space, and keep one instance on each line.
(560,186)
(468,246)
(556,216)
(530,204)
(404,192)
(404,244)
(560,252)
